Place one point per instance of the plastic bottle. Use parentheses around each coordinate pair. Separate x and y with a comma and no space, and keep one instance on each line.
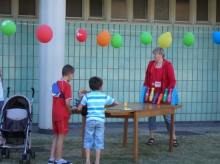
(169,95)
(147,94)
(151,94)
(174,97)
(125,105)
(165,95)
(143,92)
(160,98)
(155,98)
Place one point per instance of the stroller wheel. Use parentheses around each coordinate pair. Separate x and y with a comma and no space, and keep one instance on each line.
(0,155)
(32,154)
(28,160)
(20,158)
(3,151)
(7,154)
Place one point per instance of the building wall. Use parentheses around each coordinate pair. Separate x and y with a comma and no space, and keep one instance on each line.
(123,70)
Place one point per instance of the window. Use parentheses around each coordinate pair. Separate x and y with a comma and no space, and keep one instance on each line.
(74,8)
(182,10)
(140,9)
(161,11)
(202,10)
(5,7)
(218,11)
(27,7)
(118,9)
(96,8)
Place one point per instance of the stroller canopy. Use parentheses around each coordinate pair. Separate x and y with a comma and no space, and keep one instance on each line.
(17,101)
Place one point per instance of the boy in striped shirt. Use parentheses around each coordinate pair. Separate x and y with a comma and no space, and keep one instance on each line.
(96,102)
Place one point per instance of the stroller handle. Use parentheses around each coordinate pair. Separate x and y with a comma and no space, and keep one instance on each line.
(32,92)
(8,91)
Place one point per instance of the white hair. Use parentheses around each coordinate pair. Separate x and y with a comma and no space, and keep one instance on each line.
(159,50)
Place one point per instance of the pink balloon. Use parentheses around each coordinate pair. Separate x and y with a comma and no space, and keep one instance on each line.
(44,33)
(81,35)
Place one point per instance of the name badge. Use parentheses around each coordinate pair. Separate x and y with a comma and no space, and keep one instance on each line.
(157,84)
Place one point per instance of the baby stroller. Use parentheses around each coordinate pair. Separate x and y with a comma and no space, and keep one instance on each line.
(15,127)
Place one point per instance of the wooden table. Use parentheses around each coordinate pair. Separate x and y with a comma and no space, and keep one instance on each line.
(137,110)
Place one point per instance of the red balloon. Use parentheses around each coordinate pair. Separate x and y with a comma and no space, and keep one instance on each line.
(44,33)
(81,35)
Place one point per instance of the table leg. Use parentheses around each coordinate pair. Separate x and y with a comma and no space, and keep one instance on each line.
(83,134)
(125,132)
(171,132)
(135,149)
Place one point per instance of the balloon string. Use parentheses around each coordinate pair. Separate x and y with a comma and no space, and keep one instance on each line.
(112,31)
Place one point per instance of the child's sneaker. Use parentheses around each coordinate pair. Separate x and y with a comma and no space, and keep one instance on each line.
(51,161)
(62,161)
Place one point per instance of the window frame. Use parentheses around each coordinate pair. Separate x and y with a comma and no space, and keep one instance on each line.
(96,18)
(121,19)
(190,14)
(15,12)
(170,14)
(30,16)
(203,22)
(129,14)
(146,13)
(215,16)
(78,18)
(7,15)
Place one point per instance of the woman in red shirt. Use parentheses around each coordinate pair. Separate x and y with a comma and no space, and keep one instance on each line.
(160,75)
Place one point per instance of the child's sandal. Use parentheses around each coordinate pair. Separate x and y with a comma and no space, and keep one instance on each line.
(175,143)
(150,142)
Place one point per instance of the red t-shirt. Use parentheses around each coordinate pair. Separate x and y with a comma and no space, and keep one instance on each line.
(156,78)
(59,110)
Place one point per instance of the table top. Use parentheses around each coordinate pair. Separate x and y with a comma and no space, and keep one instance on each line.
(131,107)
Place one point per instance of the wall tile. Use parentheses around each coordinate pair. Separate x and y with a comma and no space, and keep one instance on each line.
(196,67)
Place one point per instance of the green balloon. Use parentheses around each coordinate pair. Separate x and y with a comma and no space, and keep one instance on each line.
(8,27)
(116,40)
(146,38)
(188,39)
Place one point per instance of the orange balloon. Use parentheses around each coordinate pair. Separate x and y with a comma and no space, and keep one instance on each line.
(103,38)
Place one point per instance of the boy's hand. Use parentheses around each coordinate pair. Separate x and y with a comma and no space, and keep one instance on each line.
(79,107)
(115,103)
(83,110)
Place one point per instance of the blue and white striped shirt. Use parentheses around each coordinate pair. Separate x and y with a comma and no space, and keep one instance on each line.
(96,102)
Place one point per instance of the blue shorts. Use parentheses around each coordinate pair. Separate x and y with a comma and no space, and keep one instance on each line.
(94,135)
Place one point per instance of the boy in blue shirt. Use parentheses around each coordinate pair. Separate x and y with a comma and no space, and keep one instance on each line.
(96,102)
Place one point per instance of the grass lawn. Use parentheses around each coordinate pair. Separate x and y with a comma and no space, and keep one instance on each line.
(192,149)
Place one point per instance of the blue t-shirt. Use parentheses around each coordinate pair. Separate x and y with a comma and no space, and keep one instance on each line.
(96,102)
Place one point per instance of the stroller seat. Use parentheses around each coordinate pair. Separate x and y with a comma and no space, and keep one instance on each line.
(16,120)
(16,114)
